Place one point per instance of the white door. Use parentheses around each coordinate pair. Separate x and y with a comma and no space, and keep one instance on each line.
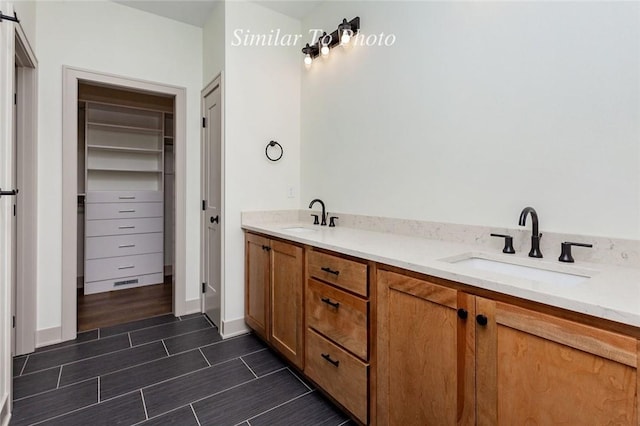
(212,214)
(14,227)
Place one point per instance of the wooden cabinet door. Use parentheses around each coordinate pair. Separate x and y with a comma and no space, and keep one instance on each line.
(538,369)
(256,298)
(425,353)
(286,310)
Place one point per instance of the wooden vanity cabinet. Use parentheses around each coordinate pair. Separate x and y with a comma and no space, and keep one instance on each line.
(425,353)
(337,334)
(534,368)
(446,357)
(274,294)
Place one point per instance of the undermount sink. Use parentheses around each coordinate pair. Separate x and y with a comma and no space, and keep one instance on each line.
(299,229)
(518,270)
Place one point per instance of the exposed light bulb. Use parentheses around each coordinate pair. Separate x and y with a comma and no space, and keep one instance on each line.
(307,59)
(346,37)
(324,50)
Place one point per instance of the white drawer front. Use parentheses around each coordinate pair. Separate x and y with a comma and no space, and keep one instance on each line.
(124,266)
(124,196)
(96,228)
(123,245)
(123,210)
(122,283)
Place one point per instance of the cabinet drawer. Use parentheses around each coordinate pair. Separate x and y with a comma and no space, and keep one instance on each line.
(96,228)
(124,196)
(124,266)
(342,375)
(123,210)
(123,283)
(123,245)
(344,273)
(340,316)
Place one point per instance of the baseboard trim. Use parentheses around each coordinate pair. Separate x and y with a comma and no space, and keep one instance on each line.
(48,336)
(5,414)
(233,328)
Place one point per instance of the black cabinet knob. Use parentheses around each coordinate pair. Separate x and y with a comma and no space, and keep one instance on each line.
(463,314)
(482,320)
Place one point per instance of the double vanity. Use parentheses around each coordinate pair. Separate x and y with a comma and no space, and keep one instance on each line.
(406,330)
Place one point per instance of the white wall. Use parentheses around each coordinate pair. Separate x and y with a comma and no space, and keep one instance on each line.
(262,103)
(111,38)
(477,110)
(26,11)
(213,44)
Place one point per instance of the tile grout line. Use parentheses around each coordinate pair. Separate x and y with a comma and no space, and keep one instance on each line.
(205,358)
(86,359)
(165,347)
(53,390)
(299,379)
(59,376)
(124,349)
(24,365)
(130,344)
(250,369)
(144,405)
(279,405)
(248,422)
(193,410)
(114,335)
(98,389)
(75,410)
(345,422)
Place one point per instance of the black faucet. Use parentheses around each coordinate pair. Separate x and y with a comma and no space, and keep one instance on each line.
(324,214)
(535,236)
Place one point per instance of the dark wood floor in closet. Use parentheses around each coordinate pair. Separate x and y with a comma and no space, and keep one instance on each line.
(117,307)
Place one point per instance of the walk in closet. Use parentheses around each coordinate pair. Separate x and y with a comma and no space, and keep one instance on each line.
(125,189)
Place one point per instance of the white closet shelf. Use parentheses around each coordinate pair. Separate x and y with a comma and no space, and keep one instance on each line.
(124,149)
(105,169)
(125,128)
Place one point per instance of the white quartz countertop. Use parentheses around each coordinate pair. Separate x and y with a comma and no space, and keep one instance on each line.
(610,292)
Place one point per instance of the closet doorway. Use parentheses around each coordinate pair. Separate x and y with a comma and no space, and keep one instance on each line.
(123,200)
(125,205)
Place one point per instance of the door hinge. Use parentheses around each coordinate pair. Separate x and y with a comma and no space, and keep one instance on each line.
(204,122)
(14,209)
(13,321)
(204,287)
(204,205)
(15,99)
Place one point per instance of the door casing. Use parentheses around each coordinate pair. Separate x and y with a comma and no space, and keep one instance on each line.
(71,77)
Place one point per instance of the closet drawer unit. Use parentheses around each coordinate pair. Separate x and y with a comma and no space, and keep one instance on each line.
(124,266)
(123,210)
(123,245)
(340,316)
(341,272)
(339,373)
(96,228)
(122,283)
(124,196)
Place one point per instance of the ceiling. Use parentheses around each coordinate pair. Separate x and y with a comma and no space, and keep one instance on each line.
(197,12)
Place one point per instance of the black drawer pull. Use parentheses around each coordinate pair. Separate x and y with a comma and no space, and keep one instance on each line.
(330,303)
(331,271)
(328,358)
(482,320)
(126,227)
(267,248)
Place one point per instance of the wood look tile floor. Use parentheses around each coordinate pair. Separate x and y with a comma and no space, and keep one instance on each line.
(163,371)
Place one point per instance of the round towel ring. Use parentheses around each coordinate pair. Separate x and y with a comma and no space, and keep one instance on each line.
(272,144)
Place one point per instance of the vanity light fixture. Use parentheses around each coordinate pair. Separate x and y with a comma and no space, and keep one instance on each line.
(341,36)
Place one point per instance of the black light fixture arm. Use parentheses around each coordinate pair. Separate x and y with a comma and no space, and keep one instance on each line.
(333,39)
(13,18)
